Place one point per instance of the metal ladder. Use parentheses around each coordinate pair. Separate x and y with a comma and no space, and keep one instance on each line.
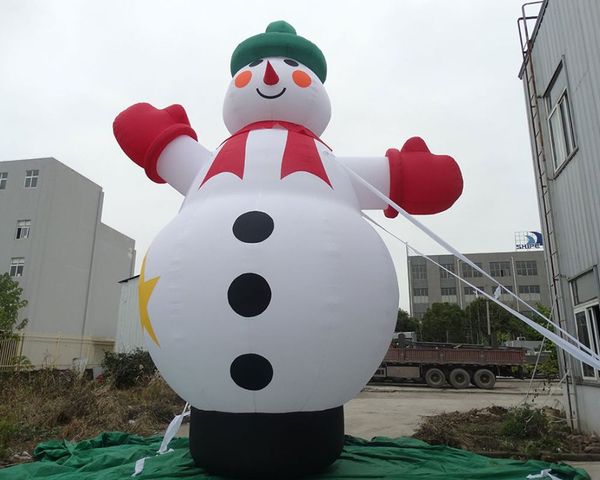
(535,125)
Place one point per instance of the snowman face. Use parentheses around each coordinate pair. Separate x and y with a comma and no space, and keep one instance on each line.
(276,88)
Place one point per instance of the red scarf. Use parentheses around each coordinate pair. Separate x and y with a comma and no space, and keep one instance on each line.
(300,153)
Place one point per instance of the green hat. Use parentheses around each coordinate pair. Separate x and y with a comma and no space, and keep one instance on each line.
(280,40)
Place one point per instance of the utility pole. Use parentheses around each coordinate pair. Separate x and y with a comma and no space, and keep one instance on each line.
(516,291)
(489,326)
(410,290)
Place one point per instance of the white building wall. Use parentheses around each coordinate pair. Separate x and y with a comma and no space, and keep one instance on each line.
(72,262)
(129,331)
(114,259)
(63,209)
(566,34)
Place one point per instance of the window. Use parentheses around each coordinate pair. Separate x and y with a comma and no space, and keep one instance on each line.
(529,289)
(469,272)
(472,291)
(503,292)
(530,292)
(31,178)
(505,295)
(587,321)
(421,295)
(16,267)
(500,269)
(419,272)
(23,229)
(447,266)
(449,295)
(560,125)
(584,290)
(3,180)
(561,131)
(526,268)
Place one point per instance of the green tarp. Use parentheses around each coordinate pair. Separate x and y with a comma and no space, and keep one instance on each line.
(112,456)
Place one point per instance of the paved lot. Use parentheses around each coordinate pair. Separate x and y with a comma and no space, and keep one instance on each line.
(395,411)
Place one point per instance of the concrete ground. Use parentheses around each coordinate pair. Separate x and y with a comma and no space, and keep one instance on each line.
(395,411)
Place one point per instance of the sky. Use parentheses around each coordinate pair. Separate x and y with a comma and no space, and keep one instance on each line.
(445,71)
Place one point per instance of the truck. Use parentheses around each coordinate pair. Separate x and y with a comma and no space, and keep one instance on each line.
(439,364)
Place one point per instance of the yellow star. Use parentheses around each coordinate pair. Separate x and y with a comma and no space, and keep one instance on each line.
(145,291)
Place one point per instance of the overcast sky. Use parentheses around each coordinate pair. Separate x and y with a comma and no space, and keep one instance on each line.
(446,71)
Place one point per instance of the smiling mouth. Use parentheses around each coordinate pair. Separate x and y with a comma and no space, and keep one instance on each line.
(270,97)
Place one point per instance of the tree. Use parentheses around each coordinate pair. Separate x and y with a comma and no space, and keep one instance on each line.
(503,325)
(406,323)
(549,367)
(444,322)
(10,304)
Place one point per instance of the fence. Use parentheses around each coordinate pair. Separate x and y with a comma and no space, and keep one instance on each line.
(32,350)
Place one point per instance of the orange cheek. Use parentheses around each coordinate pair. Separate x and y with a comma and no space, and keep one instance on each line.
(243,79)
(301,78)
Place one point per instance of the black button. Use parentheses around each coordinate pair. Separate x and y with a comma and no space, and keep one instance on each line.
(253,227)
(251,371)
(249,295)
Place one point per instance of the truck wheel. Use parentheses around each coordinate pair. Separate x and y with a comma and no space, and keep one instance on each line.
(435,378)
(484,378)
(460,378)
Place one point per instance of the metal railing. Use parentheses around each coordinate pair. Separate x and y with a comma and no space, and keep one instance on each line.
(35,351)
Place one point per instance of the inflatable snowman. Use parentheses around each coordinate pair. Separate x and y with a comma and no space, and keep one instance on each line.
(268,302)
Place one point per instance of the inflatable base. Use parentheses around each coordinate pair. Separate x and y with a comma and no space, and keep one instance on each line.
(260,445)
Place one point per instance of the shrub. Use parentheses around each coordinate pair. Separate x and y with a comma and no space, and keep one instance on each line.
(126,370)
(549,367)
(7,430)
(525,422)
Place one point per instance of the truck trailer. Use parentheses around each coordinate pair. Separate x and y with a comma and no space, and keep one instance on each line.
(459,365)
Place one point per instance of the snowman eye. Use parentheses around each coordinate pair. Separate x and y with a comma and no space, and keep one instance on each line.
(255,63)
(291,63)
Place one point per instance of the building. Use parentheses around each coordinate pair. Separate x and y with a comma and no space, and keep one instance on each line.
(561,77)
(130,335)
(66,260)
(521,272)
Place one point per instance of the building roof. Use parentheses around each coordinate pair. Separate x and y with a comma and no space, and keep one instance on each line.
(128,279)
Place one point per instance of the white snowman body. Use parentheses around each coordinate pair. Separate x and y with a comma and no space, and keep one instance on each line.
(322,316)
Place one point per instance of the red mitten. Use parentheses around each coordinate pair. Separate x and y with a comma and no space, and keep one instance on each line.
(421,182)
(143,132)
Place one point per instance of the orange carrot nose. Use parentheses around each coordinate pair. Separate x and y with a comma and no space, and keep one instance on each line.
(270,77)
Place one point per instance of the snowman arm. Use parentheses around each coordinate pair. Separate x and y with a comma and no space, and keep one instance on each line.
(374,170)
(150,136)
(180,161)
(421,182)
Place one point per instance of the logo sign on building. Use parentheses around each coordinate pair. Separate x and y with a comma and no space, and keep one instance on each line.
(528,240)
